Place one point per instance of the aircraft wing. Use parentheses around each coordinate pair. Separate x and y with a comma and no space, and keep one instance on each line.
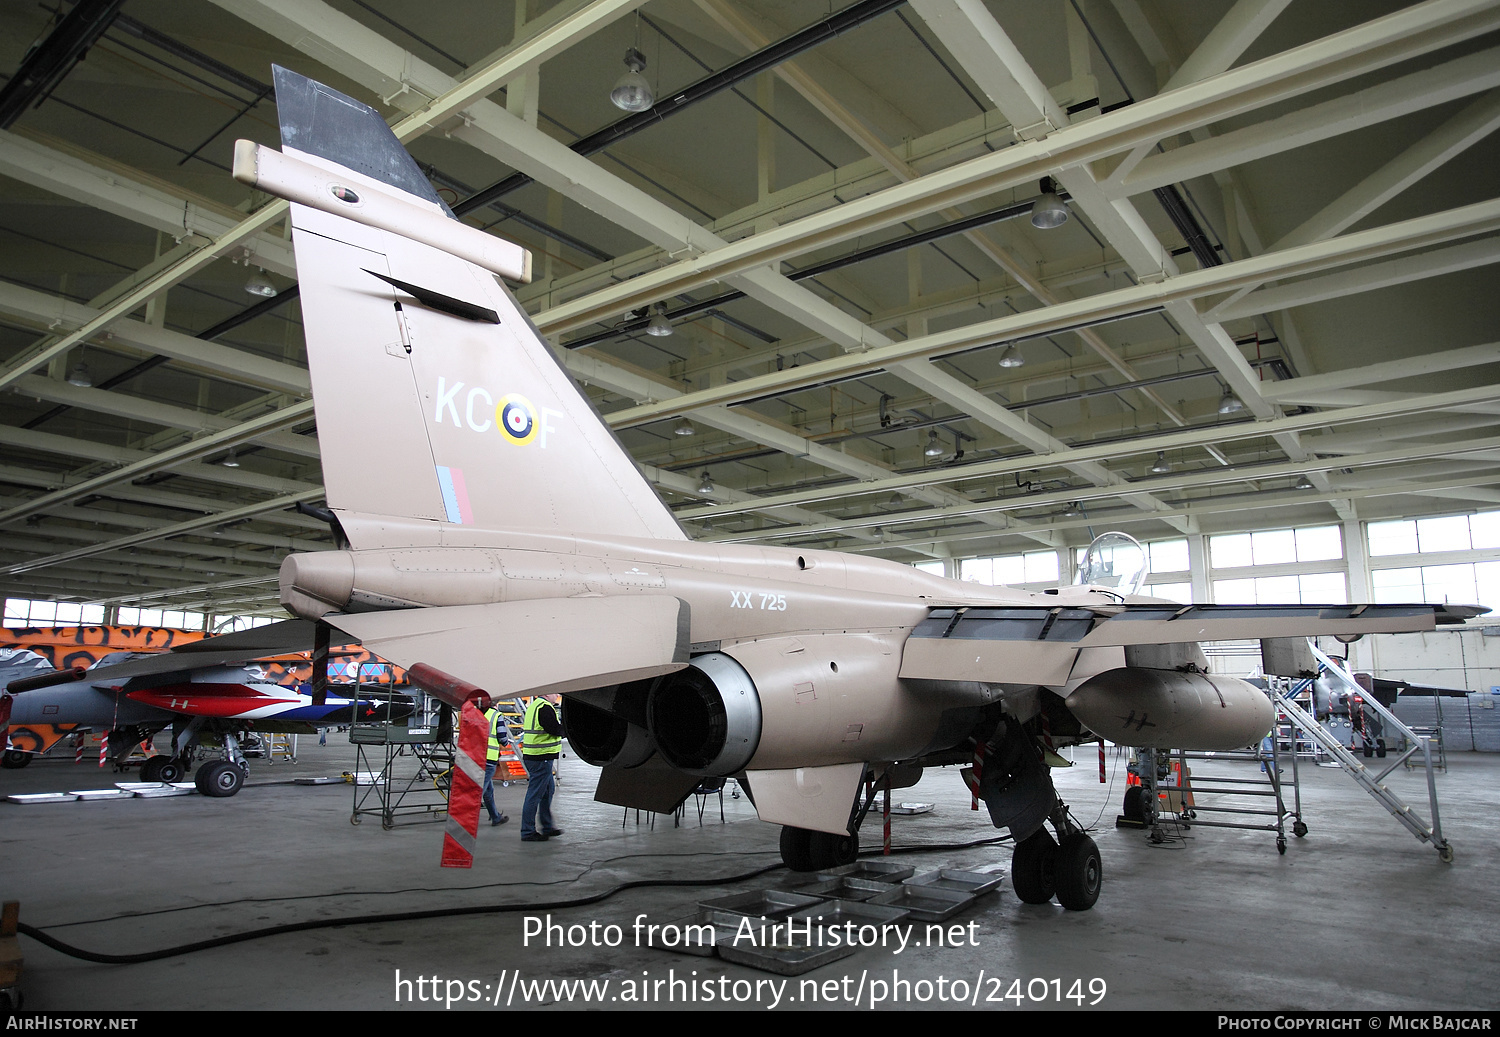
(1031,644)
(511,647)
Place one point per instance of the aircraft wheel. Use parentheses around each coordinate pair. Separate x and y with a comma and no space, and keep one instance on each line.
(1134,809)
(1033,868)
(14,759)
(833,851)
(796,848)
(1078,871)
(219,779)
(151,769)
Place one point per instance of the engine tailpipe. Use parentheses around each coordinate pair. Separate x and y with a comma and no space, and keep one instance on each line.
(603,738)
(1167,709)
(706,719)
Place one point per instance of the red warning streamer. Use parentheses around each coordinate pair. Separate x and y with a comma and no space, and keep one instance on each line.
(462,832)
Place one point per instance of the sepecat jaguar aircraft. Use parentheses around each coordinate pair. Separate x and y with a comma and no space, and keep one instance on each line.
(526,554)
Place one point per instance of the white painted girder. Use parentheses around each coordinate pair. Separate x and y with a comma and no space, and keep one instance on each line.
(1144,446)
(209,358)
(1454,258)
(1461,77)
(159,205)
(1204,478)
(134,408)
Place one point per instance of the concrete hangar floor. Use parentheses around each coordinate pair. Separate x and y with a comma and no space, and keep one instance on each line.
(1358,915)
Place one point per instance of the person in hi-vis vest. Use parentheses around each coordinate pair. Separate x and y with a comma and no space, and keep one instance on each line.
(541,741)
(499,736)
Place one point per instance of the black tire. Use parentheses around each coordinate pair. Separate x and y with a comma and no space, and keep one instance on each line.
(1135,807)
(172,769)
(14,759)
(1078,871)
(220,779)
(796,848)
(1299,829)
(833,851)
(1032,868)
(151,769)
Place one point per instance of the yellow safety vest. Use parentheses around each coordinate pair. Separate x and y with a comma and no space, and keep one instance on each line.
(495,718)
(534,740)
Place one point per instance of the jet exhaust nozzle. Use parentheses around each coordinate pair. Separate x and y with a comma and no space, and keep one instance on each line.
(1168,709)
(706,719)
(603,738)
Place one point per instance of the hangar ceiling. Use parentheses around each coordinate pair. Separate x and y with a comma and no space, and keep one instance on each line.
(1273,301)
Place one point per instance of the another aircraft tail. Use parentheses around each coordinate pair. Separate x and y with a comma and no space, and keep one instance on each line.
(436,397)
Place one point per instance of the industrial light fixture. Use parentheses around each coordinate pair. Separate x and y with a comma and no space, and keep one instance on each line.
(631,92)
(1161,467)
(1074,510)
(260,285)
(1304,483)
(706,486)
(230,461)
(1048,210)
(80,375)
(1011,357)
(934,448)
(684,427)
(659,326)
(1229,403)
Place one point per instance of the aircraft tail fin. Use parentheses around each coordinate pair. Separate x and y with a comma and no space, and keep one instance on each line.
(436,397)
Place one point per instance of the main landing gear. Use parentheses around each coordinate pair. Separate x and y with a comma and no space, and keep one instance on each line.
(164,768)
(1069,869)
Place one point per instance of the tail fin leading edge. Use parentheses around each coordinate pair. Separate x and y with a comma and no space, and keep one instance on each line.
(436,397)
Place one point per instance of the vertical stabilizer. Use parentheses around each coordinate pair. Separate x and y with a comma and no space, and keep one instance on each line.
(436,397)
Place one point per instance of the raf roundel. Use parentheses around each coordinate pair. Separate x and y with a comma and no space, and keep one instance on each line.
(517,419)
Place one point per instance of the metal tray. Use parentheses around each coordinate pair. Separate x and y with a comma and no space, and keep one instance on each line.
(770,903)
(29,798)
(163,789)
(870,871)
(926,903)
(845,888)
(784,961)
(837,912)
(911,808)
(975,882)
(102,794)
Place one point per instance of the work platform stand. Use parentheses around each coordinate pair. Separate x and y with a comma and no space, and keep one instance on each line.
(415,767)
(1250,795)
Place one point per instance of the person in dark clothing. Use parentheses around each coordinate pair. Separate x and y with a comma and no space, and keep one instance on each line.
(541,741)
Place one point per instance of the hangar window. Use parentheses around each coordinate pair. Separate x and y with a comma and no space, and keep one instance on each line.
(130,617)
(1470,583)
(1432,535)
(1276,547)
(1301,589)
(25,612)
(936,568)
(1012,570)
